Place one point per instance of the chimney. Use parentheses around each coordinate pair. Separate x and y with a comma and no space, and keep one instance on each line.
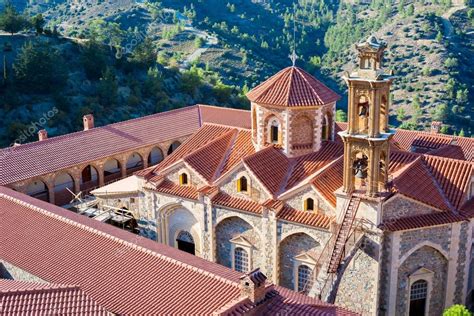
(253,286)
(42,135)
(435,127)
(88,121)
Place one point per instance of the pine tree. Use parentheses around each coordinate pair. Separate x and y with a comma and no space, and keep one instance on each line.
(11,21)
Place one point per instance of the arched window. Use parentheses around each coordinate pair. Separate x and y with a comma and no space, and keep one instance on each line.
(241,260)
(309,204)
(418,295)
(274,133)
(242,184)
(324,128)
(304,277)
(183,179)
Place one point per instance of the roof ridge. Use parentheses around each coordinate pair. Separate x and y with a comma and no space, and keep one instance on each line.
(65,136)
(438,186)
(49,287)
(116,239)
(208,145)
(303,74)
(228,151)
(219,107)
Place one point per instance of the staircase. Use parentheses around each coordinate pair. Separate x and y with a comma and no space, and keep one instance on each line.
(343,234)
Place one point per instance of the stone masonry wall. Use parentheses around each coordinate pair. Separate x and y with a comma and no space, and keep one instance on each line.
(358,286)
(230,228)
(291,247)
(296,201)
(439,235)
(399,207)
(9,271)
(430,259)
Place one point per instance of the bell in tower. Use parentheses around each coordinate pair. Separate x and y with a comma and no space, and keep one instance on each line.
(367,136)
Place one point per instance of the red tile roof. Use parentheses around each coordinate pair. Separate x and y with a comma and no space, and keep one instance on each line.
(292,87)
(225,116)
(56,153)
(207,159)
(170,188)
(307,165)
(425,220)
(461,148)
(270,166)
(453,176)
(415,181)
(330,180)
(28,298)
(314,219)
(227,200)
(123,272)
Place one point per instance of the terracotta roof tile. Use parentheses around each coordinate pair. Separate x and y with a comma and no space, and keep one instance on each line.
(425,220)
(468,208)
(56,153)
(241,148)
(307,165)
(202,137)
(226,200)
(304,217)
(123,272)
(207,159)
(292,87)
(270,166)
(452,175)
(416,182)
(225,116)
(170,188)
(27,298)
(329,180)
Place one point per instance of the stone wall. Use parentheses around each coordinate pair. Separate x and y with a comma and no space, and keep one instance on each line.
(358,287)
(256,191)
(291,247)
(439,235)
(9,271)
(399,207)
(296,201)
(463,260)
(230,228)
(431,259)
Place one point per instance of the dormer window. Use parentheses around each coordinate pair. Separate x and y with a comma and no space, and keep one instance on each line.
(183,179)
(309,204)
(242,184)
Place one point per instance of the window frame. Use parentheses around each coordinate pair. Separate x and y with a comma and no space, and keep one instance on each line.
(244,254)
(420,274)
(184,179)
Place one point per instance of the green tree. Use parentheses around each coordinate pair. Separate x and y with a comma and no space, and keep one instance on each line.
(93,59)
(439,37)
(11,21)
(108,88)
(198,42)
(144,54)
(401,114)
(39,67)
(461,133)
(38,23)
(191,80)
(451,63)
(457,310)
(410,9)
(341,116)
(441,113)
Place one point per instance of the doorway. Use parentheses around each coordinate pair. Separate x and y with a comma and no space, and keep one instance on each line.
(185,242)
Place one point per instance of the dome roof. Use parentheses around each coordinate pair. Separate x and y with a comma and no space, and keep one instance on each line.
(292,87)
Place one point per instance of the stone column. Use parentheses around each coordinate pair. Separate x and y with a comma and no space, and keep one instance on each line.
(100,173)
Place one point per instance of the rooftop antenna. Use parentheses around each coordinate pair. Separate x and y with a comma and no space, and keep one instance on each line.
(293,56)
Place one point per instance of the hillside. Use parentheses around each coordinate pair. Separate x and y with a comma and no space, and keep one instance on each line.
(242,42)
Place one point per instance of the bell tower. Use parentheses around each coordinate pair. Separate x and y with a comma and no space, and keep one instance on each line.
(366,140)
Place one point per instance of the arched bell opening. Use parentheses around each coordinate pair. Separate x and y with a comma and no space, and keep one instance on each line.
(363,115)
(360,166)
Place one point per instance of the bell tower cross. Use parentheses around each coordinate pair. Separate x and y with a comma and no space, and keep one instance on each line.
(366,140)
